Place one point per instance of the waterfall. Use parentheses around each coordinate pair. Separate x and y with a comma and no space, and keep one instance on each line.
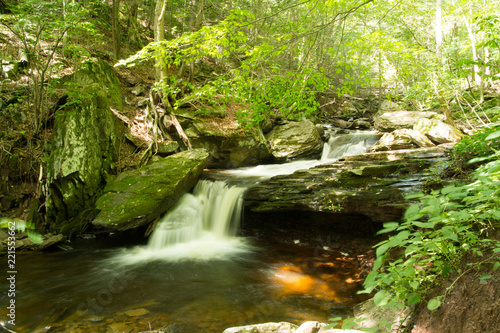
(338,146)
(214,208)
(201,226)
(342,145)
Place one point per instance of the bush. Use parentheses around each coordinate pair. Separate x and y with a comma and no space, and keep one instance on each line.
(438,231)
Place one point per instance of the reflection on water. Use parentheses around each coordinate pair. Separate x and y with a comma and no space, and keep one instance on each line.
(80,291)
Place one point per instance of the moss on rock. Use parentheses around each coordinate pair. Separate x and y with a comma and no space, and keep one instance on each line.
(138,197)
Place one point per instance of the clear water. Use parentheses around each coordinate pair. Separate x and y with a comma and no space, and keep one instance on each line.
(86,290)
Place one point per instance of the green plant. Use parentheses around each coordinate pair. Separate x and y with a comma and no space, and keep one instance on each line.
(335,204)
(13,224)
(476,145)
(437,232)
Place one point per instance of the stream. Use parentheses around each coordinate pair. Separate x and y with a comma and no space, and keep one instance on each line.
(195,273)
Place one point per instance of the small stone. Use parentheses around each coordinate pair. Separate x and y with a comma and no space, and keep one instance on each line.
(138,90)
(137,312)
(310,327)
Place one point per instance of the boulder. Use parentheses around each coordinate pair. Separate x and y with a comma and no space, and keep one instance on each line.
(311,327)
(139,196)
(360,124)
(390,121)
(82,150)
(438,131)
(402,139)
(294,140)
(388,106)
(233,149)
(370,187)
(281,327)
(284,327)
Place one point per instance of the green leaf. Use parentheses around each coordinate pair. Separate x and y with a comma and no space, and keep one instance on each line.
(434,304)
(414,298)
(485,277)
(496,266)
(388,227)
(493,135)
(380,297)
(34,236)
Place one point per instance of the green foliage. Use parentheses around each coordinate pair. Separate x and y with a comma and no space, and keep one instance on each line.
(477,145)
(22,226)
(437,232)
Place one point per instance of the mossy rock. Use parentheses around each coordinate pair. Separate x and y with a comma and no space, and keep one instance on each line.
(137,197)
(83,148)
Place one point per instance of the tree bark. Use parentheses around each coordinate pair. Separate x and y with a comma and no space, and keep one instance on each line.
(115,26)
(439,33)
(478,79)
(159,35)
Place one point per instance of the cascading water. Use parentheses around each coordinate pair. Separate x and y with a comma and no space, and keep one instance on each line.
(356,143)
(201,225)
(338,146)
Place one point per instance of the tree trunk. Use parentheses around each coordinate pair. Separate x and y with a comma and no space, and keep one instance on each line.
(115,26)
(132,22)
(439,33)
(478,79)
(159,35)
(195,24)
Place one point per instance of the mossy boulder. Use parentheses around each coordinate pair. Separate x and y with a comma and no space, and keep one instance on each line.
(294,140)
(138,197)
(82,150)
(229,148)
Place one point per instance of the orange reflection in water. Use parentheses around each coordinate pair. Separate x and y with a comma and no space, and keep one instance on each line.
(291,280)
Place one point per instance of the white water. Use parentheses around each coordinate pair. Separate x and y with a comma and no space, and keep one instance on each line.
(200,226)
(338,146)
(203,225)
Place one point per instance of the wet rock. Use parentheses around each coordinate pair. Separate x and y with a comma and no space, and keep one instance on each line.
(295,140)
(341,123)
(360,124)
(264,328)
(139,196)
(390,121)
(50,241)
(119,328)
(231,149)
(438,131)
(372,186)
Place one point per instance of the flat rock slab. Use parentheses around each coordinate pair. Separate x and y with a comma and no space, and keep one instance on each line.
(138,197)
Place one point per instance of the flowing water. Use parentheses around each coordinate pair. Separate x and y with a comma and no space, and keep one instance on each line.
(338,146)
(194,274)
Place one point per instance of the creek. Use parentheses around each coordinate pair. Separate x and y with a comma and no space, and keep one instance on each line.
(196,273)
